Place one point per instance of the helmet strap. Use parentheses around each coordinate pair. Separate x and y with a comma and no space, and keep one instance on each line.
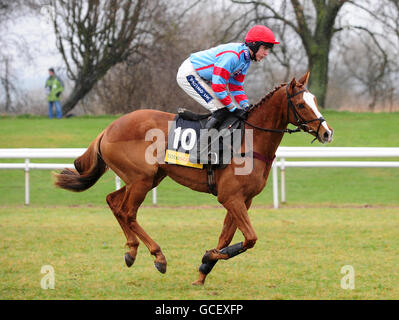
(254,46)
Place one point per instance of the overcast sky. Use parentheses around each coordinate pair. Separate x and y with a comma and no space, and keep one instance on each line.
(38,35)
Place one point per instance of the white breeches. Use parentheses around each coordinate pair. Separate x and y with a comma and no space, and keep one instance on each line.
(196,87)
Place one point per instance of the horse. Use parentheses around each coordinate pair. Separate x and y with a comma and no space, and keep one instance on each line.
(123,146)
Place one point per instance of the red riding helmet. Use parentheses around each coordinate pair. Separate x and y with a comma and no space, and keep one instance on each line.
(260,33)
(257,36)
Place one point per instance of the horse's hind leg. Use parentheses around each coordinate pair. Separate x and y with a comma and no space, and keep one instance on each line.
(115,200)
(135,196)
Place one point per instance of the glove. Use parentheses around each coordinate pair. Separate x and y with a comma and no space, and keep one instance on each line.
(58,94)
(241,114)
(247,106)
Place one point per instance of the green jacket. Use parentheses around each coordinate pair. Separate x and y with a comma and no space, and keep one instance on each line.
(54,87)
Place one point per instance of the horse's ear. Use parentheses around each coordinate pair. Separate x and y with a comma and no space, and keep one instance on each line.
(292,86)
(304,79)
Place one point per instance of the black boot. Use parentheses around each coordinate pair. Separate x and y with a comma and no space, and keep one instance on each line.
(206,156)
(213,122)
(217,118)
(241,114)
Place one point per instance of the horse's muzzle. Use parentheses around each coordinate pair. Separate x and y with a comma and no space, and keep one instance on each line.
(327,136)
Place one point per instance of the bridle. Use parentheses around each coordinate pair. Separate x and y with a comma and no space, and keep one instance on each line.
(302,124)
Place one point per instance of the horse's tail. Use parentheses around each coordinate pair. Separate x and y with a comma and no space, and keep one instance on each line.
(89,168)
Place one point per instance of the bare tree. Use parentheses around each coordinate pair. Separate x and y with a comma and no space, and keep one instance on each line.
(387,14)
(313,22)
(7,84)
(366,66)
(92,36)
(150,82)
(7,7)
(9,43)
(367,51)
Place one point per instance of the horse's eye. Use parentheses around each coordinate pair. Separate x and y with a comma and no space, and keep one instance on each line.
(300,106)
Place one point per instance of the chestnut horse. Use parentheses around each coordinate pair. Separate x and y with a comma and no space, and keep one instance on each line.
(123,144)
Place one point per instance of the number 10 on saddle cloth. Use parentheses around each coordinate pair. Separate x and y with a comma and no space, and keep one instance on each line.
(186,138)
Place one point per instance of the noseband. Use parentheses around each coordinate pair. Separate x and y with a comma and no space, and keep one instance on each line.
(301,124)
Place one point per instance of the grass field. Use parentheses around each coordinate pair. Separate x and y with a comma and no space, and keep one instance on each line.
(334,217)
(299,254)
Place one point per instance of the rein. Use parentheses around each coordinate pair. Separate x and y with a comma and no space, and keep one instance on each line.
(301,123)
(273,130)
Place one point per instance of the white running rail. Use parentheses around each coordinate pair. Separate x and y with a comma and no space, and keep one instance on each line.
(42,153)
(282,154)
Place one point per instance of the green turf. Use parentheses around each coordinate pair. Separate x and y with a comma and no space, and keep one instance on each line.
(355,130)
(299,254)
(351,130)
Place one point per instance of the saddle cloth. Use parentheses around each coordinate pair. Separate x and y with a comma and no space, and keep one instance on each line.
(185,136)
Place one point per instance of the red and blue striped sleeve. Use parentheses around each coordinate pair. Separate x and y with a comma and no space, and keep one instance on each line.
(236,88)
(225,62)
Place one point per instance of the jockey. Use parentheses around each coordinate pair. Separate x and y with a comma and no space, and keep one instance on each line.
(207,75)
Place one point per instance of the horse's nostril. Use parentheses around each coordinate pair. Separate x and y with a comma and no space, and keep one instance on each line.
(326,135)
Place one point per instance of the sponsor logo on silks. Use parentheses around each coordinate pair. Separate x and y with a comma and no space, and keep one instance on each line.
(199,89)
(246,55)
(236,73)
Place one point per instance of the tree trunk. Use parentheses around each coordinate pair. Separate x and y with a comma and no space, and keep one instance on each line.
(318,65)
(317,43)
(79,91)
(7,86)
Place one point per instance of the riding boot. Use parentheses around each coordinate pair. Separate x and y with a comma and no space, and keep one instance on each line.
(204,156)
(217,118)
(212,123)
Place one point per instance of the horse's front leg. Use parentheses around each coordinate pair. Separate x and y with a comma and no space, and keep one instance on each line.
(223,250)
(239,212)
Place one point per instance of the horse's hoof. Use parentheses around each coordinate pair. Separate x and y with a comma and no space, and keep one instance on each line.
(129,259)
(201,279)
(161,267)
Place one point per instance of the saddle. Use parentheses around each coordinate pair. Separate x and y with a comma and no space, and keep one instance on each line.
(191,116)
(184,142)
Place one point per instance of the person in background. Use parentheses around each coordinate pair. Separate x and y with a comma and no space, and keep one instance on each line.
(54,87)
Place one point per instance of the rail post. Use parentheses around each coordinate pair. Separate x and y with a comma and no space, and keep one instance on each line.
(275,185)
(282,180)
(26,181)
(154,196)
(117,182)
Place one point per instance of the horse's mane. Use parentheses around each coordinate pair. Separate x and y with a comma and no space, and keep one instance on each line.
(268,96)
